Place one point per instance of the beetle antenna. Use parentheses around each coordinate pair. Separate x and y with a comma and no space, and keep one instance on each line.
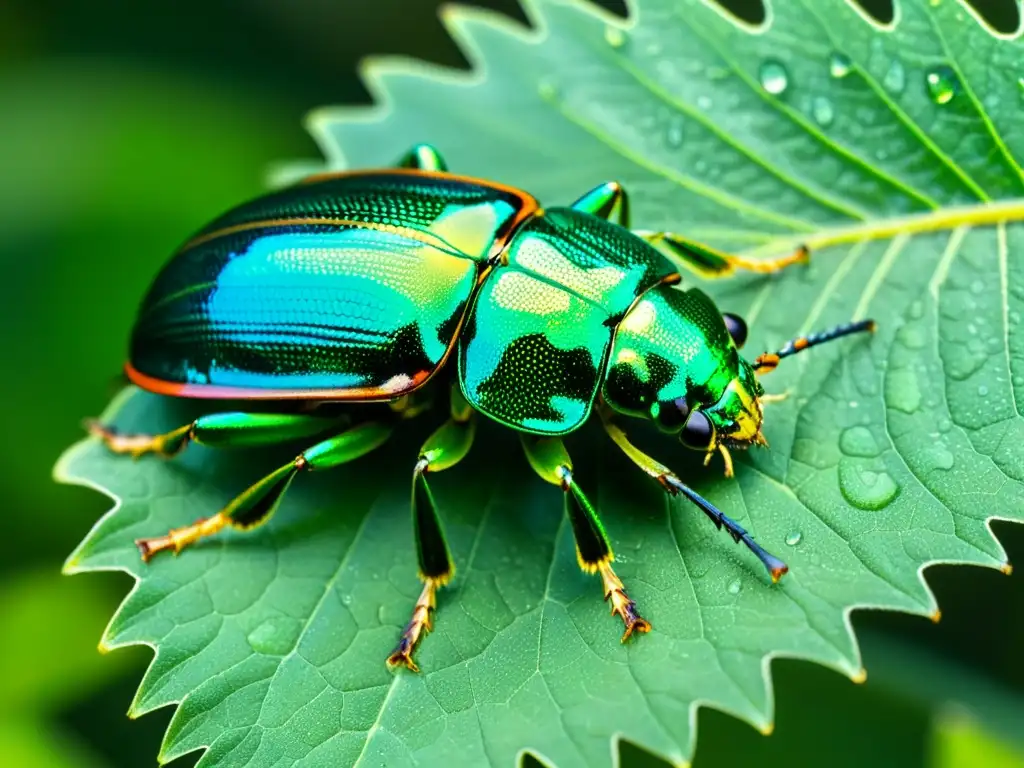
(767,362)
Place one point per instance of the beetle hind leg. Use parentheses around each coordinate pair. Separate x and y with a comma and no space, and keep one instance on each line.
(550,460)
(222,430)
(257,503)
(167,444)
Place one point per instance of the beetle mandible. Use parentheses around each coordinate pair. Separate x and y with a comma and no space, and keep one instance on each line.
(359,287)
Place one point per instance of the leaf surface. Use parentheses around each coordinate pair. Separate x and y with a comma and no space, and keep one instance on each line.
(893,152)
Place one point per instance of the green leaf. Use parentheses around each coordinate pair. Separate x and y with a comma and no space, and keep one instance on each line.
(892,152)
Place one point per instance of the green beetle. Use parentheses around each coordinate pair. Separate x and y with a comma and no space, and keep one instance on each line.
(359,287)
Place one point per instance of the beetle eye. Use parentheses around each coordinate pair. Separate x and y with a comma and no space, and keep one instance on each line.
(698,432)
(672,414)
(737,328)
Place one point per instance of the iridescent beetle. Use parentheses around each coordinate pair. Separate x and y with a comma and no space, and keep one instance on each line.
(359,287)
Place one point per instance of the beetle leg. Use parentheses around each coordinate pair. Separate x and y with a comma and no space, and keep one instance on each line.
(709,262)
(423,157)
(258,502)
(607,201)
(673,485)
(548,457)
(218,430)
(444,449)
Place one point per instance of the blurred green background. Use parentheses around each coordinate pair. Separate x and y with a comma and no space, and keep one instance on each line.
(125,126)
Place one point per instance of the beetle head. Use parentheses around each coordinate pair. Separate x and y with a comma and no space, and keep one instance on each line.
(675,360)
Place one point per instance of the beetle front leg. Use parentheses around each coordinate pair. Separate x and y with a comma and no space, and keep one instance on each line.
(423,157)
(257,503)
(226,430)
(444,449)
(549,459)
(709,262)
(673,485)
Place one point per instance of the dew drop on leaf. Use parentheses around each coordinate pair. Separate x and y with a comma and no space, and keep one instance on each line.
(735,587)
(674,136)
(858,441)
(940,456)
(275,636)
(982,391)
(794,538)
(942,84)
(704,102)
(866,488)
(904,394)
(823,111)
(614,36)
(773,77)
(895,77)
(839,65)
(912,337)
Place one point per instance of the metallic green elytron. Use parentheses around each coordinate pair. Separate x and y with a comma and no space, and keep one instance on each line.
(381,286)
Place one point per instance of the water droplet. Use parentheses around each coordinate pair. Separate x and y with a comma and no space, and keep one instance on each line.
(866,488)
(858,441)
(903,392)
(704,102)
(614,36)
(853,404)
(977,286)
(839,65)
(945,425)
(895,78)
(735,587)
(983,391)
(275,636)
(940,456)
(794,538)
(547,89)
(674,137)
(912,337)
(773,77)
(942,84)
(822,111)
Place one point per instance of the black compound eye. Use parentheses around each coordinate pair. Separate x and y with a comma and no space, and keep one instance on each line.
(737,328)
(698,432)
(672,414)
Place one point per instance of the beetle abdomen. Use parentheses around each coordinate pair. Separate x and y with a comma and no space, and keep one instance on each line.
(354,305)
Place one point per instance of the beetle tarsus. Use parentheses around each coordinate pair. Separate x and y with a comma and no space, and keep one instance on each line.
(166,445)
(178,538)
(420,622)
(622,605)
